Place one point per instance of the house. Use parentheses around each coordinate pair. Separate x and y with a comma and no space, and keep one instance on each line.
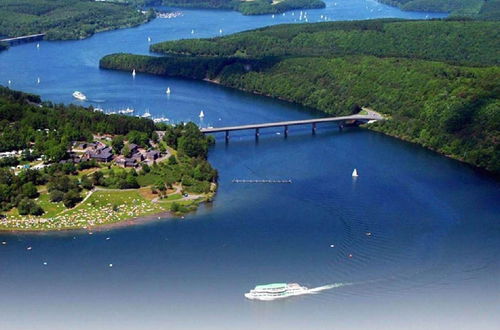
(101,154)
(152,155)
(138,157)
(132,147)
(125,162)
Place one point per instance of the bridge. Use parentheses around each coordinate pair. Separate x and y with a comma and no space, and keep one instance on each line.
(341,121)
(22,39)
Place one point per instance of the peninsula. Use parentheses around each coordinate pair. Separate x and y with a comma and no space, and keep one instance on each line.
(67,19)
(437,80)
(485,9)
(247,7)
(68,167)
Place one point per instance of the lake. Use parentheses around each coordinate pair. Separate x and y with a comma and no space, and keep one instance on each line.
(412,243)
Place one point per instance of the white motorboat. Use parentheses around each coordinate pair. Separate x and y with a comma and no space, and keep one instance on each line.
(79,95)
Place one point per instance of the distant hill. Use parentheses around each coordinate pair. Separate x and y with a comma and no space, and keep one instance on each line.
(484,9)
(66,19)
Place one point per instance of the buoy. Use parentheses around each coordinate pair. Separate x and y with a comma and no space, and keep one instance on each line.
(332,246)
(350,255)
(4,243)
(110,265)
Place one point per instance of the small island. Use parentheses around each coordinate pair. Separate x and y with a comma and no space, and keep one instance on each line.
(69,167)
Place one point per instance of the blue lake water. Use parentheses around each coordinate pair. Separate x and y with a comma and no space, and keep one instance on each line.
(431,260)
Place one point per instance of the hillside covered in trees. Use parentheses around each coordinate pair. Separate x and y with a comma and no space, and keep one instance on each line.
(438,81)
(248,7)
(66,19)
(486,9)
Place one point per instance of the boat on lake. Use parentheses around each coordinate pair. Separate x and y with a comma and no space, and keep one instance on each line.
(167,91)
(133,73)
(126,111)
(146,114)
(275,291)
(355,173)
(201,115)
(79,95)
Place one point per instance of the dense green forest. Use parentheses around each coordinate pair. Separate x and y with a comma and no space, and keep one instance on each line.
(460,42)
(441,93)
(66,19)
(252,7)
(486,9)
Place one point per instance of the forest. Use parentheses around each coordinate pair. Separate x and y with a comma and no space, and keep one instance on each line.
(486,9)
(441,93)
(253,7)
(66,19)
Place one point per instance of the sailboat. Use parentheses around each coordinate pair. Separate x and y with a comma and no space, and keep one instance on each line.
(355,173)
(220,31)
(201,114)
(38,80)
(37,45)
(133,73)
(149,39)
(168,91)
(10,82)
(192,31)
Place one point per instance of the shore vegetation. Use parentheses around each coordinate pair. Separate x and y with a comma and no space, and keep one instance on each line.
(66,167)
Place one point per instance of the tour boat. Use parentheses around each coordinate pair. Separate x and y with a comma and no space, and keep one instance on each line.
(167,91)
(355,173)
(276,291)
(201,114)
(133,73)
(79,95)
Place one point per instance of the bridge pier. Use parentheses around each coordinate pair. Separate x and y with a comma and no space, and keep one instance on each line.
(313,128)
(286,131)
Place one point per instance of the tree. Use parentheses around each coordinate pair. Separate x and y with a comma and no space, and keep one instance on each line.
(56,196)
(28,206)
(117,143)
(71,198)
(86,183)
(29,190)
(126,151)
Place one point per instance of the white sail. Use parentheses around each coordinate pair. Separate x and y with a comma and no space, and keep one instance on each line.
(202,114)
(149,39)
(168,90)
(38,80)
(133,73)
(355,173)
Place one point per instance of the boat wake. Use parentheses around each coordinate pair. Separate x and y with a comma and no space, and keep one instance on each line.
(327,287)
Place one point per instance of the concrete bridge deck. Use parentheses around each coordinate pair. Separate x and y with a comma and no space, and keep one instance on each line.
(342,120)
(16,40)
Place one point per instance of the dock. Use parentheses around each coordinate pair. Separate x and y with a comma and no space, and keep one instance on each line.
(260,181)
